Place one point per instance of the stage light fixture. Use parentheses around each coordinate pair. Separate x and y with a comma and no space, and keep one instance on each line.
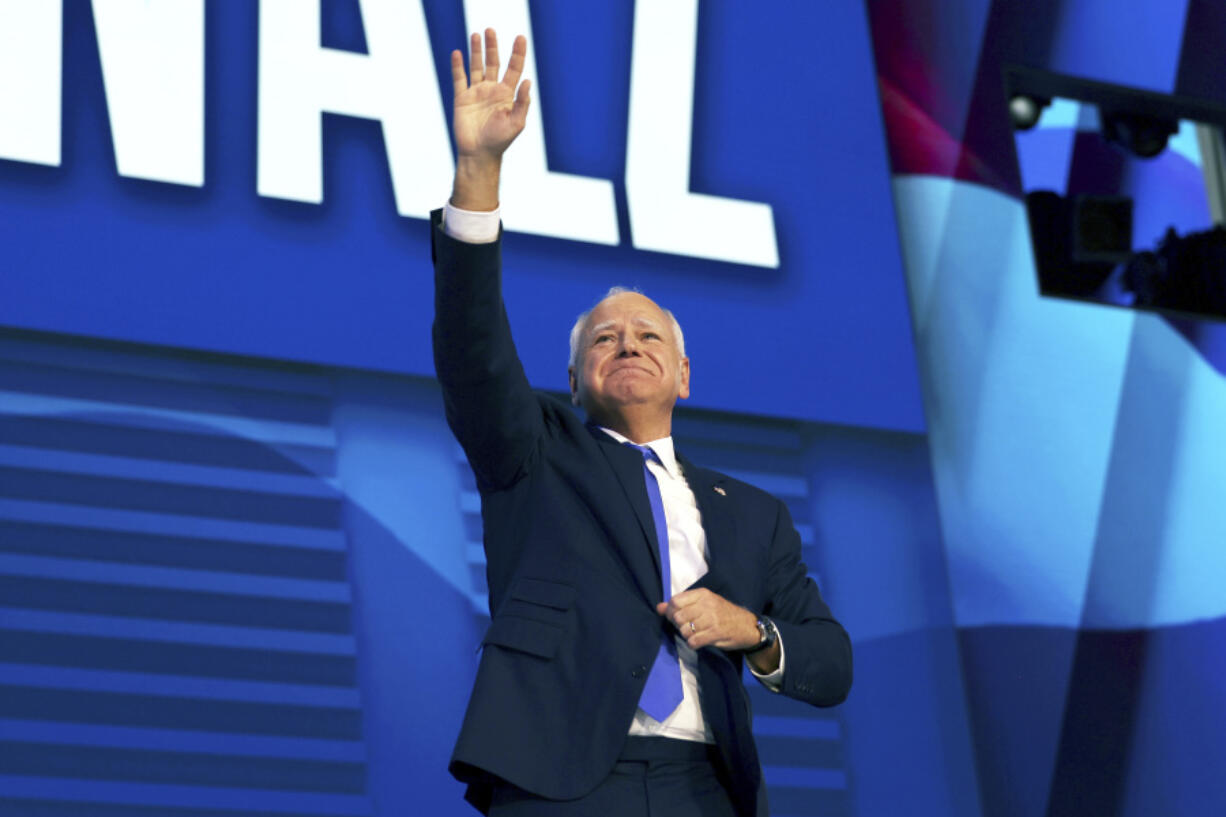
(1141,134)
(1101,229)
(1078,240)
(1025,110)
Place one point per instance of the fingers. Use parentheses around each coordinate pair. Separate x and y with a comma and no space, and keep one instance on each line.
(459,80)
(515,68)
(674,607)
(519,112)
(491,55)
(704,618)
(700,632)
(684,610)
(476,62)
(483,64)
(687,598)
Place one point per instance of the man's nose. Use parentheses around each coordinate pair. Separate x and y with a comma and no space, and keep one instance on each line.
(629,346)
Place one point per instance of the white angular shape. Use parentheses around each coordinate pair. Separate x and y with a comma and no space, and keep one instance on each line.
(1022,397)
(1076,447)
(31,47)
(538,200)
(395,83)
(152,57)
(1159,560)
(664,215)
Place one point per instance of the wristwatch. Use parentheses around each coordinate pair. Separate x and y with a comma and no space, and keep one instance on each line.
(768,635)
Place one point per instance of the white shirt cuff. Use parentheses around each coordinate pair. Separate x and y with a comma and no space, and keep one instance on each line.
(774,680)
(471,226)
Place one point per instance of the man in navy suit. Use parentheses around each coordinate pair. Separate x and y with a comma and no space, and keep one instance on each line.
(627,584)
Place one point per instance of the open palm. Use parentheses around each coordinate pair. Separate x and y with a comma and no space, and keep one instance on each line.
(489,113)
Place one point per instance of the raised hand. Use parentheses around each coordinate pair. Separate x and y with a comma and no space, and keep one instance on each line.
(489,114)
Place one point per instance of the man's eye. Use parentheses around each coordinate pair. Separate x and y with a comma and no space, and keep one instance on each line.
(602,338)
(651,336)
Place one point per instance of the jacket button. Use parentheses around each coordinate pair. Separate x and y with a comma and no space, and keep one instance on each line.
(638,672)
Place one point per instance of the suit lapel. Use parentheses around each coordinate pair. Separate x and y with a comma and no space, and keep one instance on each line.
(627,466)
(717,519)
(717,522)
(718,675)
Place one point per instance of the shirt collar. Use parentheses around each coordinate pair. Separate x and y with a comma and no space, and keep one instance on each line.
(663,448)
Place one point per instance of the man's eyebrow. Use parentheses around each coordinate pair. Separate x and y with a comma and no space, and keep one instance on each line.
(600,327)
(643,320)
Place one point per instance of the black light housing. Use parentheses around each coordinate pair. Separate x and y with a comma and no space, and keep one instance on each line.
(1102,229)
(1144,135)
(1025,110)
(1078,240)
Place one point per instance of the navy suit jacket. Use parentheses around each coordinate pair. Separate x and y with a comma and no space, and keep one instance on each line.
(574,572)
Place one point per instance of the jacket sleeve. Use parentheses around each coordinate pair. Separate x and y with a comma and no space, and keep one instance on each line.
(818,668)
(489,405)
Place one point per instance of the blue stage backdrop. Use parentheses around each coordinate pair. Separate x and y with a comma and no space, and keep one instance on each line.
(237,542)
(255,178)
(233,524)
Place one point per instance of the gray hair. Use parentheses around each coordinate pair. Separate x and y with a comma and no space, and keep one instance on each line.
(576,332)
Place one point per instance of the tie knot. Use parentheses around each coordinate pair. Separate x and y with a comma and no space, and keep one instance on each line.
(647,451)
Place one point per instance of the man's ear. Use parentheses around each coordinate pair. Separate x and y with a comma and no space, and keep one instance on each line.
(574,385)
(684,372)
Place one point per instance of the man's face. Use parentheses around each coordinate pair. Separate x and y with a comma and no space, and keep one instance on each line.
(628,356)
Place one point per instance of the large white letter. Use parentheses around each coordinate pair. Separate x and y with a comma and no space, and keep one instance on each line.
(395,83)
(664,215)
(152,57)
(31,46)
(540,201)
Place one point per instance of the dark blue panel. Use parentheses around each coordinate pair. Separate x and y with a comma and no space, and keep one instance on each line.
(43,808)
(162,497)
(1200,65)
(1092,765)
(798,802)
(908,747)
(238,717)
(1016,682)
(161,393)
(176,659)
(174,605)
(87,762)
(340,26)
(417,639)
(176,551)
(1141,48)
(71,434)
(792,751)
(1132,727)
(1178,750)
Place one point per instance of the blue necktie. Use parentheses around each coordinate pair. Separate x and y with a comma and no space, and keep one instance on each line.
(662,693)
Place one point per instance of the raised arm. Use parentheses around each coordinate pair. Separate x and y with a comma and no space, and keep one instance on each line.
(489,114)
(489,404)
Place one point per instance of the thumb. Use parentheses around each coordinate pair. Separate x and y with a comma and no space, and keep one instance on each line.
(519,111)
(662,607)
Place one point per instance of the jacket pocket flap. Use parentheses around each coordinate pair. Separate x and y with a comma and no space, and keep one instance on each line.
(524,634)
(550,594)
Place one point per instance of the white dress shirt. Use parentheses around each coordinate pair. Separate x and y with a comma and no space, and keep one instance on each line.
(687,540)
